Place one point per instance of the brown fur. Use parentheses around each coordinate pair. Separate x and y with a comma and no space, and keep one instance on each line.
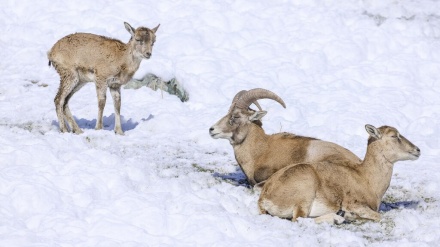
(334,185)
(83,57)
(260,155)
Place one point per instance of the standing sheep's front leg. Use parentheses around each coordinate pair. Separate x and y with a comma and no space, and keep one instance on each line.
(115,91)
(101,91)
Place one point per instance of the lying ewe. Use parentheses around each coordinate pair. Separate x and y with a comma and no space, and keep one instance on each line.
(84,57)
(260,155)
(330,191)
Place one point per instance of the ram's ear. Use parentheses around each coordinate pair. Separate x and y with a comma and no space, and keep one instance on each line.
(373,131)
(258,115)
(129,28)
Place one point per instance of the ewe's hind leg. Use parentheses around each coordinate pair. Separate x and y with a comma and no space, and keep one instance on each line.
(116,95)
(302,207)
(67,83)
(101,90)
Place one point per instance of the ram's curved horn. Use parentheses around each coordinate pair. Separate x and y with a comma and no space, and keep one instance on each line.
(246,98)
(238,96)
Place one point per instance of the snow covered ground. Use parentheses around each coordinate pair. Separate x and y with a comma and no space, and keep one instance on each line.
(337,64)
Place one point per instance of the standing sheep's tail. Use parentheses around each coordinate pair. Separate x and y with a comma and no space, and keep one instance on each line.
(48,57)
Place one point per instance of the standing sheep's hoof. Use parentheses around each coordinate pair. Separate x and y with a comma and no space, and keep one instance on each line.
(78,131)
(119,132)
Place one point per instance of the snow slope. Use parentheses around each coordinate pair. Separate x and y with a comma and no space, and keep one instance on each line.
(337,64)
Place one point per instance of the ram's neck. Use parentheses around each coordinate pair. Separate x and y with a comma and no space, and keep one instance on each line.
(248,152)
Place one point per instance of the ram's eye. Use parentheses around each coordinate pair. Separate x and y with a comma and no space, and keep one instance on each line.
(232,119)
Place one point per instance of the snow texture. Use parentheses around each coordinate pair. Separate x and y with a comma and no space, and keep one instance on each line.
(338,65)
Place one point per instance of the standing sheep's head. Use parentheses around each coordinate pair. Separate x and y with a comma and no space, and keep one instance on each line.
(235,125)
(142,40)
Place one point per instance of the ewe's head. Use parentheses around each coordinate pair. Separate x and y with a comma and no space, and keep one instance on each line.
(235,125)
(392,145)
(142,39)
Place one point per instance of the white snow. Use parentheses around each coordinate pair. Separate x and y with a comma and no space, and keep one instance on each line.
(338,65)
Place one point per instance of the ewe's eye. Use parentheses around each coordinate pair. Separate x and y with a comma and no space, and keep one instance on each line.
(397,137)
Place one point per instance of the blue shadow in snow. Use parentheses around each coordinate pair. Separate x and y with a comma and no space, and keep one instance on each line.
(108,123)
(237,178)
(388,206)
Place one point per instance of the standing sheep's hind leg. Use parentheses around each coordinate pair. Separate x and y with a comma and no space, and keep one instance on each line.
(75,128)
(67,82)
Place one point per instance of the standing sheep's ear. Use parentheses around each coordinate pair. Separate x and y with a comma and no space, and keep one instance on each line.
(258,115)
(129,28)
(155,29)
(372,131)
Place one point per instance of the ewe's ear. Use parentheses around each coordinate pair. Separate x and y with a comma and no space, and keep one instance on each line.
(155,29)
(372,131)
(258,115)
(129,28)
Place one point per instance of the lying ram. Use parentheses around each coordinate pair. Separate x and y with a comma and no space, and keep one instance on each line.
(260,155)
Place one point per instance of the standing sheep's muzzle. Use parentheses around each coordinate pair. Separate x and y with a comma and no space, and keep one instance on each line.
(147,55)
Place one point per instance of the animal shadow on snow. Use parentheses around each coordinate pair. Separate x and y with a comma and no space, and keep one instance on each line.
(388,206)
(108,123)
(239,179)
(236,178)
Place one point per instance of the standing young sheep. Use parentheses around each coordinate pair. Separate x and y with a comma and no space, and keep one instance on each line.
(84,57)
